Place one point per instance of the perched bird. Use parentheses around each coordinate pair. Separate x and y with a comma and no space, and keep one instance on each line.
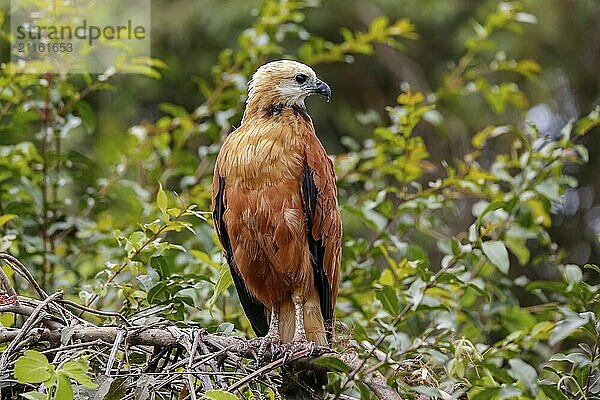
(275,210)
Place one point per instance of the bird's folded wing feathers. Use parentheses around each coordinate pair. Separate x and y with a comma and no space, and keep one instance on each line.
(255,311)
(319,194)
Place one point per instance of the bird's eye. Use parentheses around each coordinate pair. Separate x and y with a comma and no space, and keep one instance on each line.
(301,78)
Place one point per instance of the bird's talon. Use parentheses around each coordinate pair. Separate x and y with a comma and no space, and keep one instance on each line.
(261,344)
(312,347)
(242,347)
(297,345)
(274,350)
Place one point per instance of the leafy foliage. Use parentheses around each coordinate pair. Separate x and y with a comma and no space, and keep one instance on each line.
(440,309)
(33,367)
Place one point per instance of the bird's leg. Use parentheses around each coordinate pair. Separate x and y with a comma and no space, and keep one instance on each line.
(299,341)
(272,338)
(299,331)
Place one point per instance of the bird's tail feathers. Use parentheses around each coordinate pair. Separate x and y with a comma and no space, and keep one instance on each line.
(313,321)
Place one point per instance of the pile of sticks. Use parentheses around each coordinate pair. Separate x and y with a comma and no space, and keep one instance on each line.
(135,361)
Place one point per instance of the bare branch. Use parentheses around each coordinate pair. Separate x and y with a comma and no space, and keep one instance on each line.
(18,267)
(35,317)
(5,283)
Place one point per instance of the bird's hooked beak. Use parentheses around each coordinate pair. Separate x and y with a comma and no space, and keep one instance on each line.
(323,89)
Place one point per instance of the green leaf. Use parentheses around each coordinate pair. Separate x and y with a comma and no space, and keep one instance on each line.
(4,219)
(378,25)
(519,249)
(498,373)
(161,202)
(565,328)
(174,109)
(386,278)
(365,392)
(159,264)
(64,390)
(86,113)
(486,394)
(80,371)
(113,388)
(33,367)
(525,373)
(493,206)
(34,396)
(549,189)
(389,299)
(573,275)
(332,364)
(225,280)
(482,136)
(137,240)
(415,293)
(158,293)
(552,392)
(219,395)
(587,123)
(359,333)
(510,392)
(592,266)
(496,252)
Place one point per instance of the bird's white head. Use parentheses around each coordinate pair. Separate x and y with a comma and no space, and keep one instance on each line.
(285,82)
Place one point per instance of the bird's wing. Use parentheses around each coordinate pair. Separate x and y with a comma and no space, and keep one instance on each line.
(319,194)
(255,311)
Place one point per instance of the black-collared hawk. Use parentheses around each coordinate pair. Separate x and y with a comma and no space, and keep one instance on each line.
(275,209)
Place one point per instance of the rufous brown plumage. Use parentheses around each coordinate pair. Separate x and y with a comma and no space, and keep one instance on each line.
(276,212)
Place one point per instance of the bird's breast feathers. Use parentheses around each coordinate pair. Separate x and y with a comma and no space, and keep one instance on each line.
(266,150)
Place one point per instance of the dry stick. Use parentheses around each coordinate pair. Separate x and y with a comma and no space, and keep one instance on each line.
(18,267)
(113,352)
(267,368)
(55,306)
(22,309)
(190,380)
(150,337)
(212,362)
(374,381)
(5,108)
(97,312)
(5,282)
(76,346)
(174,377)
(199,359)
(29,323)
(274,388)
(32,335)
(178,373)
